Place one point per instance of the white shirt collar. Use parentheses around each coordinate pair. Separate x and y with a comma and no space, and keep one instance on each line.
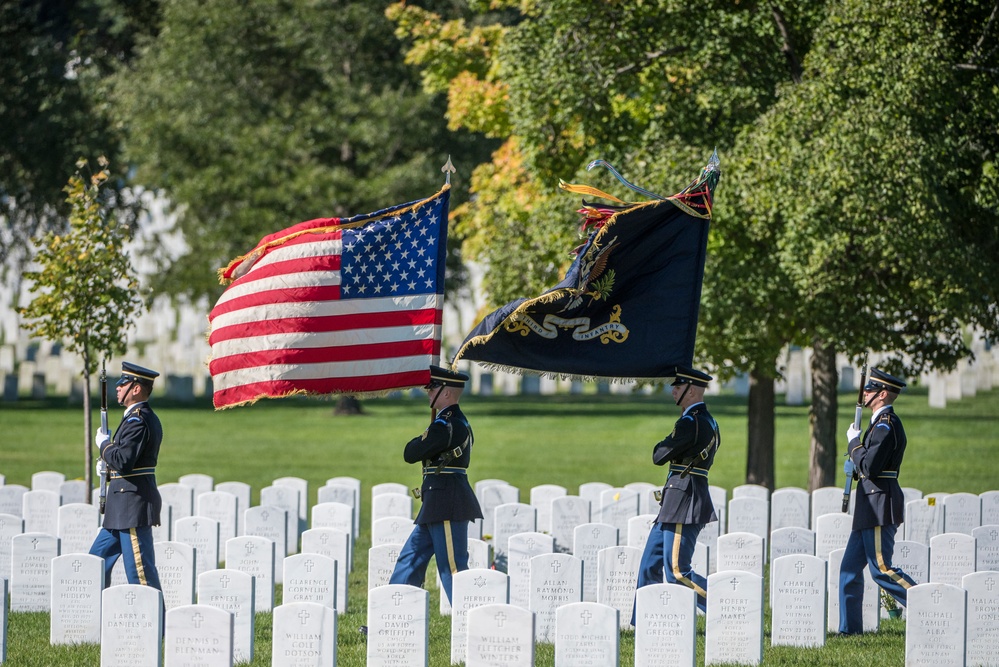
(691,407)
(133,406)
(879,411)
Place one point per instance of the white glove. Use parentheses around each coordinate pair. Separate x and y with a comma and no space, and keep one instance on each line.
(848,467)
(102,467)
(101,439)
(852,432)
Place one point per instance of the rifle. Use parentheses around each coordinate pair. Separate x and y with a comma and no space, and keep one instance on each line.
(104,430)
(856,424)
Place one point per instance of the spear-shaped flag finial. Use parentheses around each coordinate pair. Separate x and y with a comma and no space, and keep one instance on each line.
(448,169)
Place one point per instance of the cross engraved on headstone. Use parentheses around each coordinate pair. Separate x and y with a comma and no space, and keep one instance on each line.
(224,580)
(395,526)
(500,618)
(992,533)
(665,598)
(837,523)
(309,564)
(799,566)
(735,583)
(168,552)
(393,554)
(265,515)
(198,619)
(953,544)
(556,566)
(480,582)
(530,544)
(793,538)
(325,538)
(740,543)
(905,552)
(990,583)
(196,525)
(130,597)
(250,546)
(34,544)
(397,598)
(586,616)
(516,511)
(305,616)
(596,533)
(77,565)
(622,558)
(936,597)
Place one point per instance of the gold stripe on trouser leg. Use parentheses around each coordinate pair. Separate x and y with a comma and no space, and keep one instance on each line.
(137,556)
(450,547)
(677,536)
(895,576)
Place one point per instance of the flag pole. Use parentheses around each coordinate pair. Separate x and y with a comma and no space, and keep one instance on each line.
(448,169)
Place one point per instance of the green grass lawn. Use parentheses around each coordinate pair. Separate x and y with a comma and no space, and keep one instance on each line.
(527,441)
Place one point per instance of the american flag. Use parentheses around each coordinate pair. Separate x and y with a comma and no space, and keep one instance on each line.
(333,306)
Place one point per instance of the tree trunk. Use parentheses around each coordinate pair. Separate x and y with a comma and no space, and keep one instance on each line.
(347,405)
(88,456)
(822,416)
(760,454)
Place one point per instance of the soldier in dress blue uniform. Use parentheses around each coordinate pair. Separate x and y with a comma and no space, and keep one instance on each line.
(449,503)
(874,461)
(685,502)
(133,501)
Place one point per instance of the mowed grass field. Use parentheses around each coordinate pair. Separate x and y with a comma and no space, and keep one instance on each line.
(527,441)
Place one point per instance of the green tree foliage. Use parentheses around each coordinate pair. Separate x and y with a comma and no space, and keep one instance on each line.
(53,58)
(252,116)
(857,208)
(85,291)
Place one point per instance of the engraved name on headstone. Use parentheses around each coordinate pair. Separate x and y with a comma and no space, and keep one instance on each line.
(568,512)
(31,571)
(935,627)
(952,555)
(665,626)
(201,533)
(175,563)
(471,589)
(334,544)
(131,619)
(617,572)
(586,635)
(77,583)
(556,579)
(983,617)
(734,627)
(791,540)
(398,626)
(986,547)
(521,548)
(310,578)
(254,556)
(510,519)
(790,507)
(798,601)
(740,551)
(198,635)
(305,636)
(232,591)
(588,540)
(500,634)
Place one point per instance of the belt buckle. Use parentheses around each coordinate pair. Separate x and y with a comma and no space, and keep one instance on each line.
(417,493)
(658,495)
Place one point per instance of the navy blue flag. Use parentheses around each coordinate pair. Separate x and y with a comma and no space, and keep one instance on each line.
(627,308)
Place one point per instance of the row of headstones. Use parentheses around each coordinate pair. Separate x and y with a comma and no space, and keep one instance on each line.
(946,624)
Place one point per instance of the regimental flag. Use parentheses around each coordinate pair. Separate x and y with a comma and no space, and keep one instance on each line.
(333,306)
(627,308)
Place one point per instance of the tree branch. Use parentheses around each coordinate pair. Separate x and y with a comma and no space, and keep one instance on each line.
(787,49)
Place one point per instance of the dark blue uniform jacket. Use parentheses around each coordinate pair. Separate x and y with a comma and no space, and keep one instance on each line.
(877,459)
(687,500)
(447,496)
(132,498)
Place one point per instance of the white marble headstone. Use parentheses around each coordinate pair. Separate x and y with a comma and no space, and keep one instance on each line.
(749,515)
(201,533)
(638,530)
(719,498)
(828,500)
(986,547)
(333,515)
(336,545)
(286,497)
(40,510)
(591,491)
(936,621)
(588,540)
(47,480)
(243,493)
(922,520)
(395,505)
(131,622)
(77,583)
(791,540)
(734,628)
(871,605)
(751,491)
(254,556)
(616,507)
(304,636)
(521,548)
(471,589)
(832,532)
(665,626)
(198,636)
(232,591)
(79,524)
(222,507)
(270,522)
(199,483)
(492,496)
(381,564)
(385,487)
(31,571)
(10,525)
(398,626)
(990,507)
(983,623)
(586,635)
(790,507)
(510,519)
(646,496)
(556,579)
(175,563)
(310,578)
(500,630)
(952,555)
(617,574)
(73,491)
(740,551)
(10,499)
(913,558)
(301,485)
(391,530)
(180,498)
(541,499)
(962,513)
(798,601)
(567,513)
